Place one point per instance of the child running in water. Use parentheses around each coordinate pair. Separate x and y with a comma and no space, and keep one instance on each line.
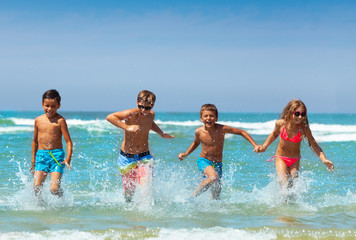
(135,160)
(211,136)
(47,152)
(291,128)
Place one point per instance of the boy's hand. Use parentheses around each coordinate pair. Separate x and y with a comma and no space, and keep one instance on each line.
(329,164)
(166,135)
(32,169)
(66,162)
(181,156)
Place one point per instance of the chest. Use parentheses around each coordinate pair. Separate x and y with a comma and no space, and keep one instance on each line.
(212,138)
(49,128)
(144,123)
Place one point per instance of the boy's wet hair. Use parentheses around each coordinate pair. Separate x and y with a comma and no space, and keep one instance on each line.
(146,96)
(209,107)
(52,94)
(290,108)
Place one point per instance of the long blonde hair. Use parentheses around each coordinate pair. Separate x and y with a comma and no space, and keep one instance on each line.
(290,108)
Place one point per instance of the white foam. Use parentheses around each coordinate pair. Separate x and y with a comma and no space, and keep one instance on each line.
(15,129)
(220,233)
(321,132)
(179,123)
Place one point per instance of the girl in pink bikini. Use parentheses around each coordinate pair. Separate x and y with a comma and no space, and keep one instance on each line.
(292,127)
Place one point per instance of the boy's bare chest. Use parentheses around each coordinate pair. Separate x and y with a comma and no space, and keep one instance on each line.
(143,123)
(211,138)
(49,128)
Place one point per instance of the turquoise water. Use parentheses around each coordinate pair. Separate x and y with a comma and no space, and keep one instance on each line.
(322,205)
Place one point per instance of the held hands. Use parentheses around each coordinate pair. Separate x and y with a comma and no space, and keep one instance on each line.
(329,164)
(181,156)
(259,148)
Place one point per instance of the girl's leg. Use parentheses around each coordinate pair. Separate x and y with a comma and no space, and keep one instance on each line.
(283,173)
(212,177)
(39,178)
(56,184)
(294,170)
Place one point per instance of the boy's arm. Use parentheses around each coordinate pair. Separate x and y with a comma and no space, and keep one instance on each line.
(117,118)
(68,141)
(273,136)
(317,149)
(192,147)
(158,130)
(34,149)
(244,134)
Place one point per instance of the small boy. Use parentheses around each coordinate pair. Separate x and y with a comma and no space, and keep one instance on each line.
(135,160)
(211,136)
(47,148)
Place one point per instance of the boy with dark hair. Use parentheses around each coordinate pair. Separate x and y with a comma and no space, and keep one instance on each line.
(135,160)
(47,148)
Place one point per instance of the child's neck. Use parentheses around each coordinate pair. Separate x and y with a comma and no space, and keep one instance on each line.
(292,124)
(209,129)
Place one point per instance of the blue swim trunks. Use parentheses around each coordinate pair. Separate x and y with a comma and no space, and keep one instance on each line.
(129,161)
(203,163)
(46,163)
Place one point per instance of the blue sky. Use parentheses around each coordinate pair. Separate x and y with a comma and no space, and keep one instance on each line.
(243,56)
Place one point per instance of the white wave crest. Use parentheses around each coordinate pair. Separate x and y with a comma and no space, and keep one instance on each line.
(321,132)
(15,129)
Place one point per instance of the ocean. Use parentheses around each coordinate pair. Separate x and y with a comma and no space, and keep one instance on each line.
(321,205)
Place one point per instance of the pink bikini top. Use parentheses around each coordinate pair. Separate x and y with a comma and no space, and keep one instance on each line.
(297,138)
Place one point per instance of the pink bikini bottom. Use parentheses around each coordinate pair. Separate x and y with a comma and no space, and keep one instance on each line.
(288,161)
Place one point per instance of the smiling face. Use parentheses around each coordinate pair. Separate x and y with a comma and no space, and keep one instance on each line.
(299,115)
(50,107)
(208,118)
(144,108)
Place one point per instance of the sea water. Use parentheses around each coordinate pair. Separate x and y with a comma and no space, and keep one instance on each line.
(321,205)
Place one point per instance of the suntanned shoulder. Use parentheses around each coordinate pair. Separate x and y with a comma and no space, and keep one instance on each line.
(280,122)
(61,119)
(198,130)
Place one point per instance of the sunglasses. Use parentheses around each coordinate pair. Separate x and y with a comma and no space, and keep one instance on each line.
(143,107)
(297,114)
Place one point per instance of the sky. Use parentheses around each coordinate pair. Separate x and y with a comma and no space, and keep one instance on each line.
(242,56)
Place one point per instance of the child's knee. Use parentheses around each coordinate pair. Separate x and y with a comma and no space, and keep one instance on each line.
(294,173)
(213,178)
(56,191)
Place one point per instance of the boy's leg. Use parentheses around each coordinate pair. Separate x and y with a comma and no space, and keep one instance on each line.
(39,178)
(212,177)
(216,190)
(129,183)
(144,173)
(216,185)
(56,184)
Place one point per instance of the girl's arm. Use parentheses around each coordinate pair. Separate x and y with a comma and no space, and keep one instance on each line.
(192,147)
(317,149)
(158,130)
(273,136)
